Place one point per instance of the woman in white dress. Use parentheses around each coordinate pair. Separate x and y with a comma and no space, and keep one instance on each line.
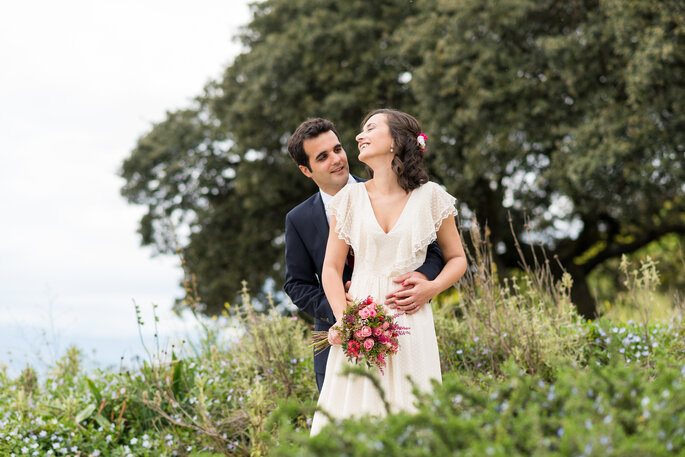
(389,221)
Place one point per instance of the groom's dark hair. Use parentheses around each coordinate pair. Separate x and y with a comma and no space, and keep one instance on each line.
(311,128)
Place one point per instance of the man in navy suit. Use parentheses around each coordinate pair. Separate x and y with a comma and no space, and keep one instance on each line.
(315,147)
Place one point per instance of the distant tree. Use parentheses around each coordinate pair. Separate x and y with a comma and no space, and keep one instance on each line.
(568,116)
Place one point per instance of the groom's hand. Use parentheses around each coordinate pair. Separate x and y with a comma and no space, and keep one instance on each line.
(414,292)
(348,297)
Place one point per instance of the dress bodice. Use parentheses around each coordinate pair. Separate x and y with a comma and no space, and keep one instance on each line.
(404,247)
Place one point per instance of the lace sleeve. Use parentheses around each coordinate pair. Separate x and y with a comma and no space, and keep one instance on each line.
(436,206)
(442,205)
(340,206)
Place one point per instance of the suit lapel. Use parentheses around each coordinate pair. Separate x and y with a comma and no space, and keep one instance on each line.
(319,218)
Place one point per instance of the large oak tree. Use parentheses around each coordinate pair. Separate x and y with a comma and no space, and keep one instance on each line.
(568,116)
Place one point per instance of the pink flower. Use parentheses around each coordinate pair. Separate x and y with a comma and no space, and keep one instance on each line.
(358,335)
(380,359)
(387,334)
(377,331)
(385,325)
(371,310)
(364,313)
(368,344)
(365,331)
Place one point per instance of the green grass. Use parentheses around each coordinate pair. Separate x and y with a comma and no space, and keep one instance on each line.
(523,375)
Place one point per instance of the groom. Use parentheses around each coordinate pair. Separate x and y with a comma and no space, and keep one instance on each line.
(315,147)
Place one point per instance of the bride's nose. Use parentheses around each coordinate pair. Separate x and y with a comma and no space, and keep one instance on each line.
(359,137)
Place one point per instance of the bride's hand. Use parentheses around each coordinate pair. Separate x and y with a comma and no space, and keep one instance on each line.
(334,334)
(416,291)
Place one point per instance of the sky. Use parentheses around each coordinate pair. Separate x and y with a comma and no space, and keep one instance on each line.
(80,81)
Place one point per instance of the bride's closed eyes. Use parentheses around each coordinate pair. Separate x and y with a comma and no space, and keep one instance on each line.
(368,127)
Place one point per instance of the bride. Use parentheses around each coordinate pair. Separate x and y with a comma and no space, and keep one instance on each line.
(388,221)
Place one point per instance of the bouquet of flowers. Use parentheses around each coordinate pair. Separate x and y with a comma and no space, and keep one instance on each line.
(368,334)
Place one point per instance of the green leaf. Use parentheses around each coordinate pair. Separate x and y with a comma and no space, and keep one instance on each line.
(104,423)
(177,377)
(95,391)
(85,413)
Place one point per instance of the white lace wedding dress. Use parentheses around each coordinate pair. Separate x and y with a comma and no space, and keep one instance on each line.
(379,257)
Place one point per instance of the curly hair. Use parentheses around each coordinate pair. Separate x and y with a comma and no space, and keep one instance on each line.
(408,161)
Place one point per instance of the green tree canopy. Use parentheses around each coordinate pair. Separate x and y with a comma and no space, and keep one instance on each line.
(568,116)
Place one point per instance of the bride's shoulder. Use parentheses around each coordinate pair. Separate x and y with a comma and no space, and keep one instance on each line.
(431,187)
(346,193)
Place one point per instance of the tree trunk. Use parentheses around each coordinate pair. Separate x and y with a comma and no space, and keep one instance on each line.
(580,292)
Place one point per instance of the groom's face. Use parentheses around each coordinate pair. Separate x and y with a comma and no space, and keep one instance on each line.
(327,162)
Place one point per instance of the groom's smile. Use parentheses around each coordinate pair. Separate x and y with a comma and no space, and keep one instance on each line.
(328,165)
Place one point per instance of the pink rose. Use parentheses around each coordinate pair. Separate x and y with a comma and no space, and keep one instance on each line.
(368,344)
(365,331)
(372,311)
(358,335)
(364,313)
(387,334)
(385,325)
(377,331)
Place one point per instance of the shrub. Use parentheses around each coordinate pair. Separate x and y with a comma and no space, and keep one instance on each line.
(608,410)
(528,318)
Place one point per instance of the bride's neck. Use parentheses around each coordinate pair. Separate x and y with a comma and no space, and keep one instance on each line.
(385,181)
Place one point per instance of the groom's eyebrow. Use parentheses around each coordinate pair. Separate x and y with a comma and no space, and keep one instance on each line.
(321,154)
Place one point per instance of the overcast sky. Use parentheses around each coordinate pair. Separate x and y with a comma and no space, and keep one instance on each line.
(80,81)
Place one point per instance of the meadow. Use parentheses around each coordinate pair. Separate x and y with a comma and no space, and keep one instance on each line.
(523,374)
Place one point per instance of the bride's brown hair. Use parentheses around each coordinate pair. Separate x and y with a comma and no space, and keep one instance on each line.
(408,161)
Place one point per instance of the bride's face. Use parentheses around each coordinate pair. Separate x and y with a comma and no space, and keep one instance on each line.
(375,139)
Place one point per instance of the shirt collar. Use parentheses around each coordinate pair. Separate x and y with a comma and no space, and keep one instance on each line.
(327,197)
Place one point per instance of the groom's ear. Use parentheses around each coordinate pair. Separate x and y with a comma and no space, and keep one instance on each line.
(305,171)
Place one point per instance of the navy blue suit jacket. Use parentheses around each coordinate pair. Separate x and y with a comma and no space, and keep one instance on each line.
(306,236)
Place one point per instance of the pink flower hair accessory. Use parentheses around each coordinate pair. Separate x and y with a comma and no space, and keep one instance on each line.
(421,139)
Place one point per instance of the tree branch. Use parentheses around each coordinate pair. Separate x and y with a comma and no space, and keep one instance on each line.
(615,249)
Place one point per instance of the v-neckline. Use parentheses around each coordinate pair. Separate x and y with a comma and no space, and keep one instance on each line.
(399,219)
